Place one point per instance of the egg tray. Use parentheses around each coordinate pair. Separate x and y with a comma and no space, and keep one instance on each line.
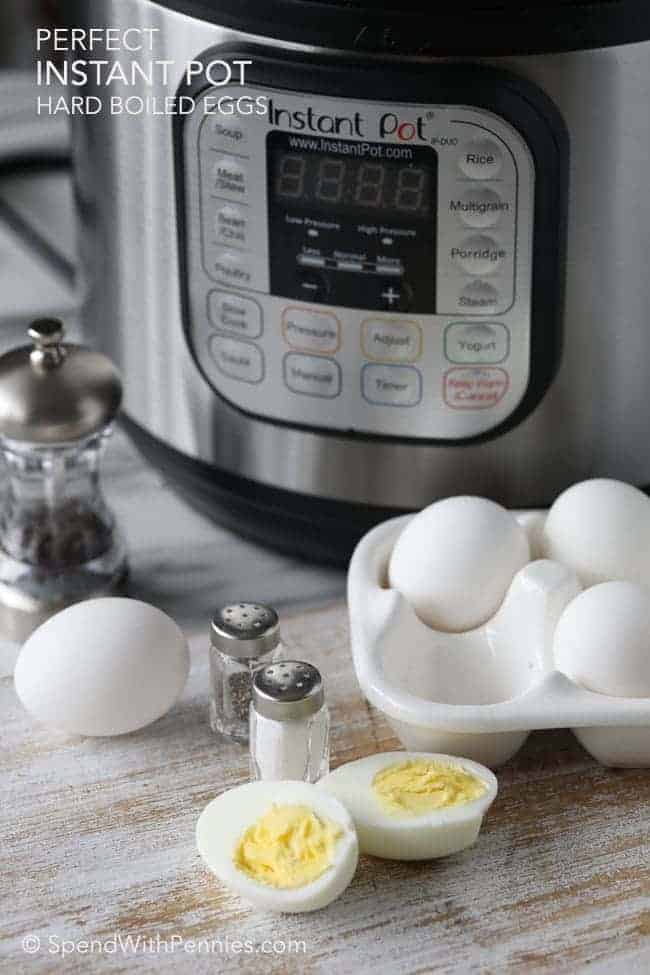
(480,693)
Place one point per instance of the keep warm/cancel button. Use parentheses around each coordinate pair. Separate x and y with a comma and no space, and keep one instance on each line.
(475,389)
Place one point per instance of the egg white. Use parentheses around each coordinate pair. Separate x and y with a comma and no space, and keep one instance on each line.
(226,818)
(434,834)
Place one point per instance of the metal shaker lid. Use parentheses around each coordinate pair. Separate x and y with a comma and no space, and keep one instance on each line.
(54,392)
(287,690)
(245,629)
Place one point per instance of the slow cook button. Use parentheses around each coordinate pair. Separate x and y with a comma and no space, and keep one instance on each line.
(229,178)
(391,385)
(310,330)
(481,159)
(311,375)
(238,360)
(391,341)
(233,313)
(475,389)
(479,255)
(477,342)
(231,225)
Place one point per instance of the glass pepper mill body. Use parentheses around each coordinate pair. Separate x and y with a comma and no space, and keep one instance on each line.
(58,541)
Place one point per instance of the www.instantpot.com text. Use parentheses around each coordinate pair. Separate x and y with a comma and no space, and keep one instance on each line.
(88,71)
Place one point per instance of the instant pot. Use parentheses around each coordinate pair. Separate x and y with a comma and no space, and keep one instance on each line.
(412,263)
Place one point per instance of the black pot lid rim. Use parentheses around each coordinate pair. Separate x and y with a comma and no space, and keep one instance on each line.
(419,27)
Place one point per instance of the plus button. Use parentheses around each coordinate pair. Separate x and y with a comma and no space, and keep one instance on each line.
(391,296)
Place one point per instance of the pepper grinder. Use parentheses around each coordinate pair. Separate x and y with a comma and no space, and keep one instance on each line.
(58,542)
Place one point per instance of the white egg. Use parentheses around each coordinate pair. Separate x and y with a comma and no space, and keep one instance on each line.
(455,560)
(102,667)
(224,824)
(602,639)
(397,832)
(600,529)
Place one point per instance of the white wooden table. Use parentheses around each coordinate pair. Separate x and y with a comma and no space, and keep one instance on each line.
(97,835)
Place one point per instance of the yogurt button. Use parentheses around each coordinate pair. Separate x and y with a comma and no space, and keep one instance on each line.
(479,208)
(481,159)
(477,342)
(479,255)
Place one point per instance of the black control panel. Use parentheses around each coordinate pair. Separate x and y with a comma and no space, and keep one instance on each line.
(350,215)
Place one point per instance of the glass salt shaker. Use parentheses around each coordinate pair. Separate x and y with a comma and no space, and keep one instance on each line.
(58,542)
(289,723)
(243,636)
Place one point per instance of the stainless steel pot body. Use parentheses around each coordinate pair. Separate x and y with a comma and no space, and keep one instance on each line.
(592,421)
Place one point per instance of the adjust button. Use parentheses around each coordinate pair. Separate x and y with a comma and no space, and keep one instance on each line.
(238,360)
(234,313)
(477,342)
(391,385)
(229,178)
(312,375)
(481,159)
(479,255)
(391,340)
(310,330)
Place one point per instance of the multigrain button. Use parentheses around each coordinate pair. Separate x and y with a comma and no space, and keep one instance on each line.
(480,208)
(391,385)
(479,296)
(233,313)
(231,225)
(475,389)
(479,255)
(391,340)
(481,159)
(311,375)
(477,342)
(238,360)
(229,178)
(310,330)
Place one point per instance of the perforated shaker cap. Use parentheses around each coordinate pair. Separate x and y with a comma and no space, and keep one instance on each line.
(245,629)
(287,690)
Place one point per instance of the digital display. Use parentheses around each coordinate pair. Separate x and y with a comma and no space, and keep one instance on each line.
(325,180)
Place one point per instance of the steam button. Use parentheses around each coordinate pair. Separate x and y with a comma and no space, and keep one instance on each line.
(481,159)
(479,296)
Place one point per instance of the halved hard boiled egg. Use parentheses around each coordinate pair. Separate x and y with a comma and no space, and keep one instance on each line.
(282,846)
(413,805)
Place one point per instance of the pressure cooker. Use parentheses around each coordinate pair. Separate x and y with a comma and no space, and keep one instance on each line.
(408,257)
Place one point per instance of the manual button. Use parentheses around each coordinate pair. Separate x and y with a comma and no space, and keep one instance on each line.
(311,375)
(233,313)
(391,385)
(391,340)
(237,360)
(310,330)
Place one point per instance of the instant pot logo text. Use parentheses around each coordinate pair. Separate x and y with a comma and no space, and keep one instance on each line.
(390,127)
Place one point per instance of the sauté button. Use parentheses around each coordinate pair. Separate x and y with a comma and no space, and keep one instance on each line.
(391,340)
(477,342)
(481,159)
(310,330)
(480,208)
(479,255)
(475,389)
(391,385)
(229,178)
(238,360)
(231,225)
(234,313)
(312,375)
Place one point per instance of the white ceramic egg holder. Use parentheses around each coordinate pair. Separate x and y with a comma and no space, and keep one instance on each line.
(480,693)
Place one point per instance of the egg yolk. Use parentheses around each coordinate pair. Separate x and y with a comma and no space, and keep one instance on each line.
(419,785)
(290,846)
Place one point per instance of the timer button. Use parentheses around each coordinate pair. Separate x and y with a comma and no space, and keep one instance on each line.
(481,159)
(478,255)
(479,208)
